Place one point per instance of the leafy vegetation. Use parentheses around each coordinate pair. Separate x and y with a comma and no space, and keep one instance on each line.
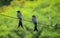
(46,11)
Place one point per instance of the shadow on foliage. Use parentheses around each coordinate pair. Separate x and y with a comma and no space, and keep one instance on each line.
(5,2)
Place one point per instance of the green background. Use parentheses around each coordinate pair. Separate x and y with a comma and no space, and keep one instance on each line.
(46,11)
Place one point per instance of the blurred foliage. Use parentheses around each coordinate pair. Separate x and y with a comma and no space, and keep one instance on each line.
(5,2)
(46,11)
